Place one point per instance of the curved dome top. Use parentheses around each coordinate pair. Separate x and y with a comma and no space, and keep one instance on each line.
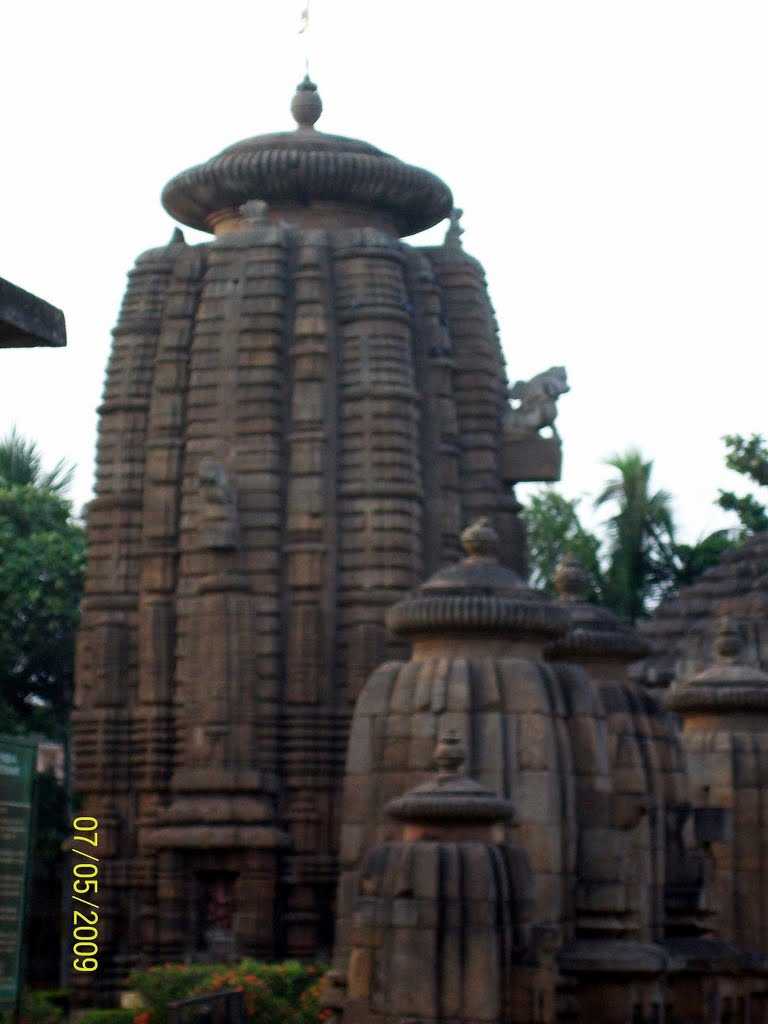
(305,166)
(594,632)
(477,594)
(727,685)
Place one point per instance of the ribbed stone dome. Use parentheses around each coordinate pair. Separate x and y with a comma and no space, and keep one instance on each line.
(305,166)
(728,684)
(477,593)
(594,632)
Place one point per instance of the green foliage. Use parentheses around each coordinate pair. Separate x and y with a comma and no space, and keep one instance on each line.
(635,560)
(21,464)
(60,997)
(36,1008)
(749,457)
(640,535)
(284,993)
(167,983)
(693,559)
(554,529)
(42,562)
(114,1016)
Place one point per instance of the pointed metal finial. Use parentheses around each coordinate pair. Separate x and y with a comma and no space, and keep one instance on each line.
(480,539)
(571,579)
(450,754)
(306,105)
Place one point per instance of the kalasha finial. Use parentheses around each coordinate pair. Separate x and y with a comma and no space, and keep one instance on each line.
(306,105)
(480,540)
(450,754)
(571,579)
(728,641)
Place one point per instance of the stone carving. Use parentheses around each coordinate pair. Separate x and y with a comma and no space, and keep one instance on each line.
(538,403)
(725,713)
(300,417)
(619,924)
(219,523)
(445,877)
(297,423)
(527,454)
(255,212)
(683,629)
(455,230)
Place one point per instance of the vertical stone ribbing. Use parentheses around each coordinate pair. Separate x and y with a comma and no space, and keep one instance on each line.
(380,492)
(107,661)
(153,737)
(312,732)
(440,449)
(153,725)
(236,420)
(480,382)
(282,458)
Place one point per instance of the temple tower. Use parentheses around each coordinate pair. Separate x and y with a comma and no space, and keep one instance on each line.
(300,416)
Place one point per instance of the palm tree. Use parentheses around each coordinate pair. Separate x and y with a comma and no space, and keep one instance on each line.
(642,550)
(22,464)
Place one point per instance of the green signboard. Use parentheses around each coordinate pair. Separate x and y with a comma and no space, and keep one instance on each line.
(17,776)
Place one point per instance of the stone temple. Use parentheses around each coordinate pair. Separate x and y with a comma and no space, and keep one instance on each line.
(299,419)
(319,712)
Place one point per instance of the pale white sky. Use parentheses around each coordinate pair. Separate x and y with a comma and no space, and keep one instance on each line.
(611,158)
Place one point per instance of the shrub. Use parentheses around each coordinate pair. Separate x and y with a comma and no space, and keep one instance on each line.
(284,993)
(60,997)
(36,1008)
(166,983)
(114,1016)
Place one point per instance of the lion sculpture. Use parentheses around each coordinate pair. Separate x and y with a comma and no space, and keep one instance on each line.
(538,403)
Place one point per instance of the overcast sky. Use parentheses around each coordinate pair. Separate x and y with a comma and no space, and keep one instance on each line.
(611,159)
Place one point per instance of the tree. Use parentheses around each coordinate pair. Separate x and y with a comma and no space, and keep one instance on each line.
(750,458)
(691,560)
(554,529)
(637,560)
(42,561)
(641,536)
(21,464)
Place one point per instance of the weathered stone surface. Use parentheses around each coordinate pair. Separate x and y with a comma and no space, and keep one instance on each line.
(621,867)
(299,418)
(682,630)
(725,733)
